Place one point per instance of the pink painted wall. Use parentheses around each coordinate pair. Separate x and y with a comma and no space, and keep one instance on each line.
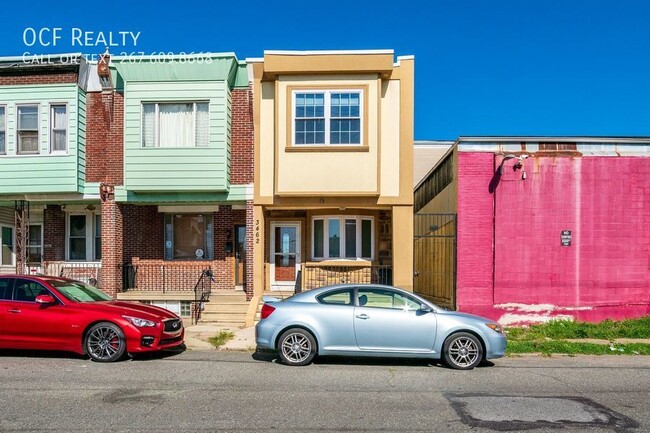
(604,201)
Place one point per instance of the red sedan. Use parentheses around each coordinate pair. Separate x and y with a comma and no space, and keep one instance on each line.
(50,313)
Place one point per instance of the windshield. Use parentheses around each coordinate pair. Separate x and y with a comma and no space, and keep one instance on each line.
(80,292)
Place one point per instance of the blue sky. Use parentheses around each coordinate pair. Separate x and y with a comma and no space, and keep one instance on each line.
(511,67)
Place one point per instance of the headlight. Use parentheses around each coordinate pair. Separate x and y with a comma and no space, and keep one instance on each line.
(495,327)
(140,323)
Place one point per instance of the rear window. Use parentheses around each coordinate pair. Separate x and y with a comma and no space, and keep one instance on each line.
(337,297)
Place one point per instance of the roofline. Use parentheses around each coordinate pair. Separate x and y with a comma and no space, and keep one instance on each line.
(570,139)
(49,56)
(177,56)
(325,52)
(435,166)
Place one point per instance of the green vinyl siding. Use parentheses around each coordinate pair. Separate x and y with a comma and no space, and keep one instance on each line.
(156,169)
(43,172)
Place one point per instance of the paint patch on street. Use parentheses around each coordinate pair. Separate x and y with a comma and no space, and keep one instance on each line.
(515,413)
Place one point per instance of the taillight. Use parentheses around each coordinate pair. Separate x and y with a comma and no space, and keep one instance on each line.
(267,310)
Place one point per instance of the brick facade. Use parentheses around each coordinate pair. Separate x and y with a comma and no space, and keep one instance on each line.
(241,140)
(51,78)
(143,243)
(512,265)
(112,246)
(105,138)
(53,234)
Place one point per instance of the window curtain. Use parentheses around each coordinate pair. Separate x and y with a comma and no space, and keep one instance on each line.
(149,125)
(202,125)
(176,125)
(2,130)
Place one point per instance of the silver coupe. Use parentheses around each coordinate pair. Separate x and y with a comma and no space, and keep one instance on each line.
(374,320)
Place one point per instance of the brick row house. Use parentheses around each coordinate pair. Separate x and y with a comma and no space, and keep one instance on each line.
(136,176)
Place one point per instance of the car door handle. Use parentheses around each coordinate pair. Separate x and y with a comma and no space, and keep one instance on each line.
(362,316)
(14,310)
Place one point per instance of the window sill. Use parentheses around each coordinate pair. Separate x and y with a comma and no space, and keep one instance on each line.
(330,148)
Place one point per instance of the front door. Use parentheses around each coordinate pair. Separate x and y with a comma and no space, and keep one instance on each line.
(240,256)
(285,255)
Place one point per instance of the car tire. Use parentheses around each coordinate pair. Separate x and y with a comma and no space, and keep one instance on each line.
(105,342)
(296,347)
(462,351)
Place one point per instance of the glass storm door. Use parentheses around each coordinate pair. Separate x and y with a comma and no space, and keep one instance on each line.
(240,256)
(285,255)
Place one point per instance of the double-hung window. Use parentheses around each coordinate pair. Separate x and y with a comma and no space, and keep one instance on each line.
(3,129)
(342,237)
(58,128)
(178,124)
(327,117)
(27,129)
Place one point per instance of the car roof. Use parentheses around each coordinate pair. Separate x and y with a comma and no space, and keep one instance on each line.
(313,293)
(45,278)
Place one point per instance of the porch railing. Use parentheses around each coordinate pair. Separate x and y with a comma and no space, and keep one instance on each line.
(88,272)
(315,275)
(166,278)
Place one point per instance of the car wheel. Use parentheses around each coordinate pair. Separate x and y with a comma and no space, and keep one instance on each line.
(462,351)
(105,342)
(296,347)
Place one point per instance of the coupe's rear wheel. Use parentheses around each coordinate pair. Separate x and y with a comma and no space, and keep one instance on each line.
(462,351)
(297,347)
(105,342)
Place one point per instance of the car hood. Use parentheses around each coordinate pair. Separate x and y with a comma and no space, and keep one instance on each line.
(466,316)
(127,308)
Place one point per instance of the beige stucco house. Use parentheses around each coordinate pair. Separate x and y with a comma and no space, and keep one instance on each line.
(333,197)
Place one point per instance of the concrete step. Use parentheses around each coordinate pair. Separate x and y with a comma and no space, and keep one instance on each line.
(241,307)
(223,318)
(227,296)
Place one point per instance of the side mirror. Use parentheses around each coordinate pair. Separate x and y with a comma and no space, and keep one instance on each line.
(45,300)
(425,308)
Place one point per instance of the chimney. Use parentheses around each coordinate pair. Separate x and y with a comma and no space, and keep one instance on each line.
(104,71)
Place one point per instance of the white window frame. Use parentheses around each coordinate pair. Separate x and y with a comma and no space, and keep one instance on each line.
(156,132)
(342,218)
(327,115)
(38,128)
(66,129)
(3,129)
(13,243)
(90,236)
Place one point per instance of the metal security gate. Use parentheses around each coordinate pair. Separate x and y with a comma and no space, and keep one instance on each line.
(434,253)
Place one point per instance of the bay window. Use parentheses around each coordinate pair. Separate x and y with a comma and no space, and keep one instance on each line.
(342,237)
(189,237)
(184,124)
(327,117)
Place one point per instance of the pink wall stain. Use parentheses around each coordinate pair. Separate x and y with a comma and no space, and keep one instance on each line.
(603,201)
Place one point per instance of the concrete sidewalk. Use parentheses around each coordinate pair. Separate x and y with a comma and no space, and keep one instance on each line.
(196,337)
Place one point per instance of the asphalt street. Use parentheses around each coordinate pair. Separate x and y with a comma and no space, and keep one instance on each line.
(221,391)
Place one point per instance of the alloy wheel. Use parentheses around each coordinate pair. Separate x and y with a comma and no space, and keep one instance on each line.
(296,348)
(104,343)
(464,352)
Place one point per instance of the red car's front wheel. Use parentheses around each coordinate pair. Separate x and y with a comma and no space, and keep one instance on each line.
(105,342)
